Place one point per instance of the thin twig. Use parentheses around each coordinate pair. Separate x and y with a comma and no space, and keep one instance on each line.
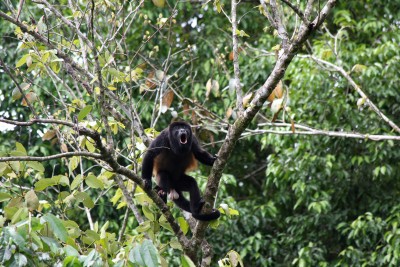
(357,88)
(7,70)
(124,224)
(57,156)
(129,199)
(21,4)
(305,130)
(297,11)
(66,21)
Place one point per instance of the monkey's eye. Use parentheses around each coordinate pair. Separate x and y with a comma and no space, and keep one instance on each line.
(183,138)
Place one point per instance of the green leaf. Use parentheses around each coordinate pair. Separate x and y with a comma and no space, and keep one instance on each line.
(92,235)
(32,201)
(22,61)
(19,215)
(37,166)
(21,149)
(42,184)
(117,196)
(4,196)
(218,5)
(70,251)
(73,163)
(16,94)
(145,254)
(187,262)
(147,212)
(51,243)
(84,112)
(174,243)
(164,223)
(183,224)
(20,260)
(89,145)
(11,233)
(93,182)
(57,226)
(76,182)
(85,199)
(241,33)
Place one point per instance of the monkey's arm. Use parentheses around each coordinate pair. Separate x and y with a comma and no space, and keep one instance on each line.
(153,151)
(202,155)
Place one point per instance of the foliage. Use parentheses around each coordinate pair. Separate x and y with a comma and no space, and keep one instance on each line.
(286,199)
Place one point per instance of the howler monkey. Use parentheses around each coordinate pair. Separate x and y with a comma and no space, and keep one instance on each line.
(174,152)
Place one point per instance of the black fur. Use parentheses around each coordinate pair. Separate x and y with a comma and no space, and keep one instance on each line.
(170,155)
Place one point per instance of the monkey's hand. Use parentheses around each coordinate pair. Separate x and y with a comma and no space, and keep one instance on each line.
(147,184)
(214,157)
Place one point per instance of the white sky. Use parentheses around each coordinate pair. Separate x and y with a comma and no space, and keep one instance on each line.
(6,127)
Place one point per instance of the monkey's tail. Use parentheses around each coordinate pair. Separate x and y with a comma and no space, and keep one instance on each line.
(207,217)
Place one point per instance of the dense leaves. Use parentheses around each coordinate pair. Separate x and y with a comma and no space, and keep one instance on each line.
(286,199)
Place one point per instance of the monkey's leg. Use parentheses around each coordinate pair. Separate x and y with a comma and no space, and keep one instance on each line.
(182,202)
(188,183)
(163,185)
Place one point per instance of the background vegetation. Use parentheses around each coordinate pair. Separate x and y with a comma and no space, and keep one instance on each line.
(312,181)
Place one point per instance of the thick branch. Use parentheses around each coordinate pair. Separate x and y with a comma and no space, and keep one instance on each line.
(236,70)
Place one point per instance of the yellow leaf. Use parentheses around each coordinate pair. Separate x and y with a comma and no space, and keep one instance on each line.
(159,3)
(246,99)
(49,135)
(32,201)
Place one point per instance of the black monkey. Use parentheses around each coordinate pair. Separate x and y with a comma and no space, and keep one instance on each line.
(169,156)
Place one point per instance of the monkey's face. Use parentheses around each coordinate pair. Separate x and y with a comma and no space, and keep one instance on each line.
(180,138)
(183,136)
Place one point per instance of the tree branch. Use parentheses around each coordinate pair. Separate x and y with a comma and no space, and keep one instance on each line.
(66,21)
(107,156)
(357,88)
(6,69)
(242,122)
(275,19)
(129,199)
(305,130)
(46,158)
(76,71)
(236,70)
(297,11)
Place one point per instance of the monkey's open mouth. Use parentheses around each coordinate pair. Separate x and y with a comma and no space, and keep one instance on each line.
(183,139)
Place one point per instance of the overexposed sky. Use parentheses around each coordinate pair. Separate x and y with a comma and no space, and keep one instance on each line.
(5,127)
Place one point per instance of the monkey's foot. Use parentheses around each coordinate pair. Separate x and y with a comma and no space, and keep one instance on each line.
(161,193)
(173,194)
